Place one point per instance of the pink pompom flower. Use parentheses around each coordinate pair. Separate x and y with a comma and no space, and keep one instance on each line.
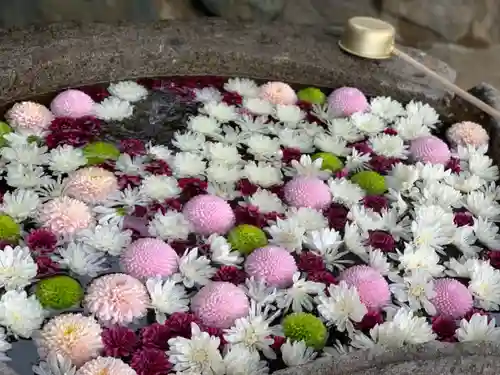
(303,191)
(72,103)
(209,214)
(467,133)
(272,264)
(64,216)
(278,93)
(430,149)
(452,298)
(372,288)
(346,101)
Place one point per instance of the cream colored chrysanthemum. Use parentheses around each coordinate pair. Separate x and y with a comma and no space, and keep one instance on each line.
(91,185)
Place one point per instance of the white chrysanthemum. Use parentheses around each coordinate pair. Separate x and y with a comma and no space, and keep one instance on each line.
(299,296)
(106,238)
(308,167)
(378,261)
(207,94)
(479,328)
(66,159)
(296,138)
(254,332)
(231,135)
(327,242)
(386,108)
(428,115)
(390,146)
(128,90)
(464,240)
(485,286)
(259,292)
(482,205)
(483,167)
(263,147)
(159,152)
(160,187)
(341,307)
(368,123)
(167,296)
(113,109)
(258,107)
(221,111)
(424,258)
(189,141)
(262,174)
(221,252)
(433,226)
(223,174)
(200,354)
(242,86)
(417,289)
(438,194)
(20,314)
(25,153)
(345,192)
(242,361)
(296,353)
(20,204)
(308,218)
(82,259)
(344,129)
(411,127)
(25,176)
(195,270)
(487,233)
(286,233)
(356,161)
(55,364)
(402,177)
(333,144)
(130,166)
(17,267)
(222,154)
(171,225)
(289,114)
(464,182)
(226,191)
(266,202)
(204,125)
(187,164)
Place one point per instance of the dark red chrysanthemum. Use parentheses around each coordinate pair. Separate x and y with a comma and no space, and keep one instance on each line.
(278,342)
(180,324)
(158,167)
(474,311)
(463,218)
(494,257)
(136,224)
(230,274)
(46,266)
(362,148)
(41,240)
(4,244)
(150,361)
(337,216)
(249,215)
(127,181)
(232,98)
(180,247)
(390,131)
(344,172)
(454,165)
(381,240)
(376,202)
(156,336)
(381,164)
(370,320)
(310,262)
(74,132)
(191,187)
(119,341)
(290,154)
(246,187)
(133,147)
(444,327)
(324,277)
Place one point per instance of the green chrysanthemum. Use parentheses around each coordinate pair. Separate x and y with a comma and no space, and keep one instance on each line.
(4,130)
(9,230)
(312,95)
(99,152)
(371,182)
(59,292)
(306,327)
(330,161)
(246,238)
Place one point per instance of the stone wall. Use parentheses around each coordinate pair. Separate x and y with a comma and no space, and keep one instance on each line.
(464,33)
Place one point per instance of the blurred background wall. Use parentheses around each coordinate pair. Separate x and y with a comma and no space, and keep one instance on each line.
(464,33)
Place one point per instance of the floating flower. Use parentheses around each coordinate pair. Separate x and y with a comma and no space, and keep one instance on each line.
(278,93)
(29,118)
(307,192)
(373,289)
(246,238)
(72,103)
(64,216)
(467,133)
(149,257)
(430,149)
(20,314)
(119,341)
(72,335)
(452,298)
(91,185)
(128,90)
(59,292)
(17,267)
(113,109)
(117,298)
(272,264)
(209,214)
(105,365)
(150,361)
(305,327)
(41,240)
(346,101)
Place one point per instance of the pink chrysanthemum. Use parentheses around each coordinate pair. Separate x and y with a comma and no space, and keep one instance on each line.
(219,303)
(72,103)
(64,216)
(430,149)
(305,191)
(29,117)
(117,298)
(345,101)
(91,184)
(467,133)
(209,214)
(452,298)
(106,366)
(272,264)
(74,336)
(149,257)
(278,93)
(372,288)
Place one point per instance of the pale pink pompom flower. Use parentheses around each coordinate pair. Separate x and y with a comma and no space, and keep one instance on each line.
(303,191)
(106,366)
(467,133)
(452,298)
(209,214)
(278,93)
(272,264)
(91,184)
(219,304)
(72,103)
(64,216)
(29,117)
(74,336)
(372,287)
(430,149)
(117,298)
(346,101)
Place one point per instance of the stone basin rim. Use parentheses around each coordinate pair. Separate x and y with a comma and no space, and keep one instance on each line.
(37,60)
